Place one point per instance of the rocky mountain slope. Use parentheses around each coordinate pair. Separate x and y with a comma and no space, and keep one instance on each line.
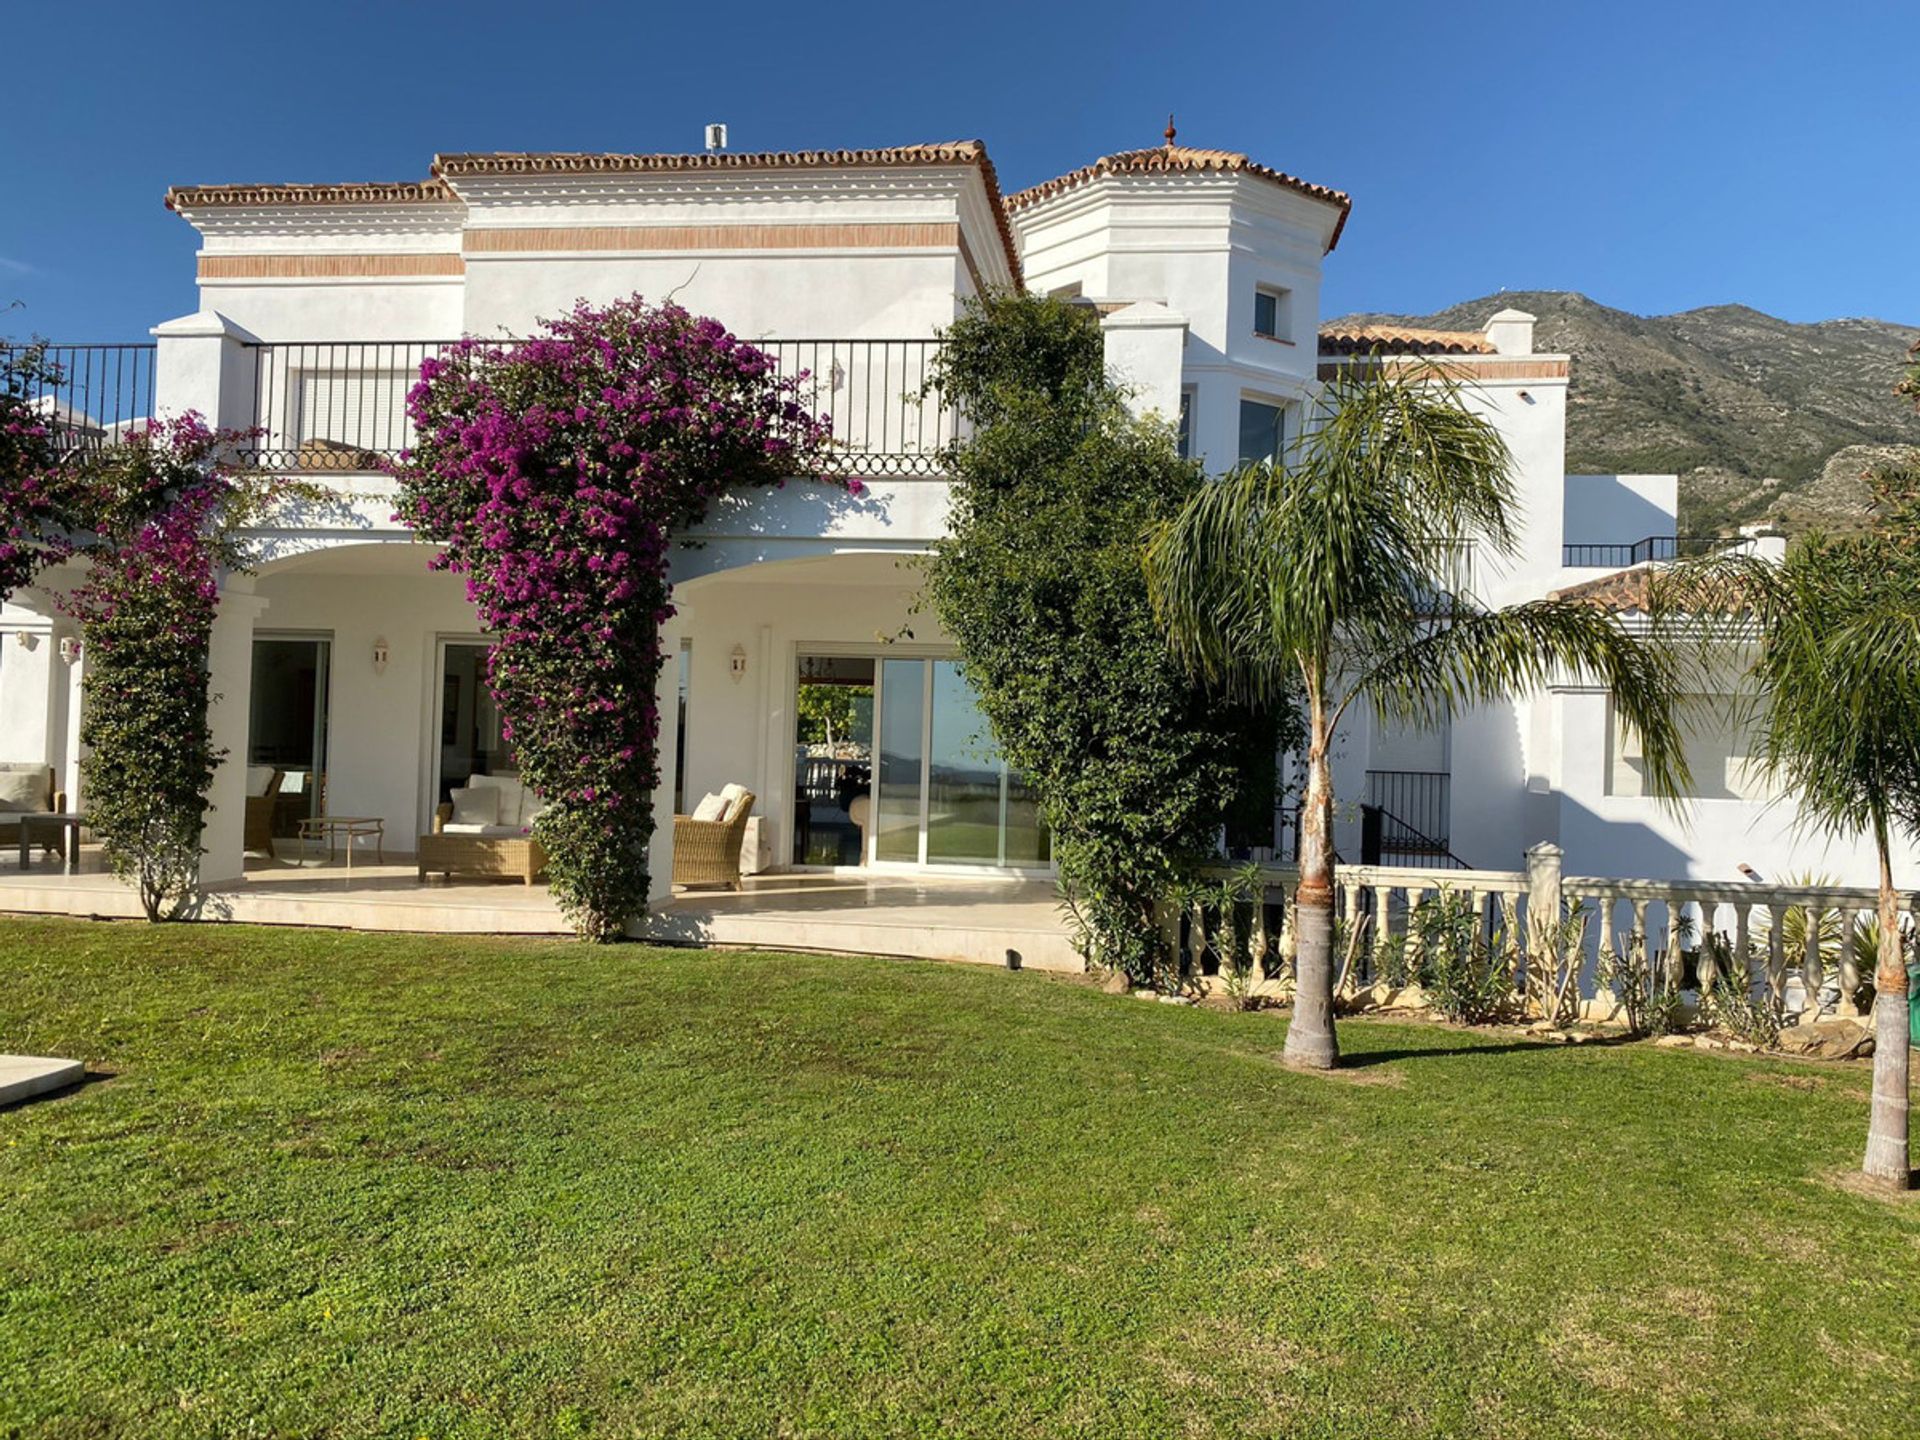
(1763,419)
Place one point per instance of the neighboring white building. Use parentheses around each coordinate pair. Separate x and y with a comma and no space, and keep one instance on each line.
(344,659)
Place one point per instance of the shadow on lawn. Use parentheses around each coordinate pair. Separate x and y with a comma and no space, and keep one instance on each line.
(1360,1059)
(88,1079)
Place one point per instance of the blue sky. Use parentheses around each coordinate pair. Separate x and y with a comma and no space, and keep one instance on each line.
(1656,156)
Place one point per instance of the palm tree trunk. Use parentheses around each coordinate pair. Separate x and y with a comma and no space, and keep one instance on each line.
(1311,1043)
(1887,1155)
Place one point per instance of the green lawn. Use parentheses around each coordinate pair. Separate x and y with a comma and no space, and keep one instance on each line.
(355,1185)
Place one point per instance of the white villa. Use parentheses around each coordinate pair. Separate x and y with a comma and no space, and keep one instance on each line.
(351,675)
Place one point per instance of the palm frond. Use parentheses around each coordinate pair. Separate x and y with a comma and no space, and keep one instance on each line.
(1471,658)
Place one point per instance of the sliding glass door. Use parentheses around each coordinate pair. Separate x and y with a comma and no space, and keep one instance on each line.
(943,794)
(287,729)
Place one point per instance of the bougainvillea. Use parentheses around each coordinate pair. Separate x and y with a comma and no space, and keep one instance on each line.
(157,518)
(555,471)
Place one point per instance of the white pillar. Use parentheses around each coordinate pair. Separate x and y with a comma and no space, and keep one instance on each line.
(1145,349)
(29,676)
(201,363)
(666,699)
(229,713)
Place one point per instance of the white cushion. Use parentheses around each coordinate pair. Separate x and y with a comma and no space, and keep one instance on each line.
(455,827)
(23,788)
(476,805)
(711,807)
(530,808)
(732,795)
(513,795)
(259,777)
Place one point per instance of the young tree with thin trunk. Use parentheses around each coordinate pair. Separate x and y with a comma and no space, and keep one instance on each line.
(1829,647)
(1337,576)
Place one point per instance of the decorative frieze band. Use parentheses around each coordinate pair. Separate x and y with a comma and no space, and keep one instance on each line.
(327,267)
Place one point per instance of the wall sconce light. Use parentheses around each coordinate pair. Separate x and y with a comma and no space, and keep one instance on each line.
(24,639)
(69,648)
(381,654)
(738,660)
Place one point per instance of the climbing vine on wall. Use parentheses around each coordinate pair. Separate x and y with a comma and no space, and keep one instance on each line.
(555,472)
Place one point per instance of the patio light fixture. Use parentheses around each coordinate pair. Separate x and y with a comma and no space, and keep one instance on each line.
(738,660)
(381,654)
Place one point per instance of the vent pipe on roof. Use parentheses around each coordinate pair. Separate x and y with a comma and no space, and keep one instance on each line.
(716,139)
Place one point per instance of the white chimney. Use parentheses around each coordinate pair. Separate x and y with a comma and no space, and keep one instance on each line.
(1511,332)
(716,139)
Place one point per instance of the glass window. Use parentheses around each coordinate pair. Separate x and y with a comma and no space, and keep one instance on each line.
(472,737)
(1266,313)
(1717,736)
(832,759)
(963,778)
(1184,436)
(902,722)
(1262,431)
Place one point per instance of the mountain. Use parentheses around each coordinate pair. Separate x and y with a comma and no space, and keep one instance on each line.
(1762,419)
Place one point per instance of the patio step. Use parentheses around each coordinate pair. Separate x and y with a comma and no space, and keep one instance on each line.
(24,1076)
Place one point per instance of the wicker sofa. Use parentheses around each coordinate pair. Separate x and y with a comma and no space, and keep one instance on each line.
(707,852)
(487,834)
(27,787)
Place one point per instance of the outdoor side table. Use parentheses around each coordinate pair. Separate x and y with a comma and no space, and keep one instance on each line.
(63,826)
(344,829)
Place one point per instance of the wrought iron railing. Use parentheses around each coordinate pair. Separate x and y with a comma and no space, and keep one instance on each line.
(1419,799)
(89,394)
(1642,552)
(342,404)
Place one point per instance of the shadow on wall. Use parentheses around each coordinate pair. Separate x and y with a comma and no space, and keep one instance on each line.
(1632,849)
(800,508)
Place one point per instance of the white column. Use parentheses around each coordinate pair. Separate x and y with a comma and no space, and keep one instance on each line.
(201,363)
(229,712)
(1145,349)
(666,699)
(29,676)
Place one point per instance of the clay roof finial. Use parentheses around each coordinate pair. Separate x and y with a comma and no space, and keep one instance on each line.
(1169,129)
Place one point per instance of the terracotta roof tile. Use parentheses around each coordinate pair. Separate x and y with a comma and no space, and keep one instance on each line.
(1402,340)
(943,152)
(1182,160)
(406,192)
(1622,590)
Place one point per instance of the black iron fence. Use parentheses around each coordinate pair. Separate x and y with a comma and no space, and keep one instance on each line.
(1641,552)
(342,405)
(88,394)
(1419,799)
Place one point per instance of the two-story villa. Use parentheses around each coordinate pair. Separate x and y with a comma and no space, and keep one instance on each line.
(353,676)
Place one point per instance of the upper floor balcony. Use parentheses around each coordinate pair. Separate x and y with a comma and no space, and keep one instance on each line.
(316,406)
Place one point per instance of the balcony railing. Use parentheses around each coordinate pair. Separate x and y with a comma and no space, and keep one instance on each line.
(1641,552)
(342,405)
(89,394)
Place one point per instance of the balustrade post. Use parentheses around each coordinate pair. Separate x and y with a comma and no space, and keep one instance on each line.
(1545,903)
(201,363)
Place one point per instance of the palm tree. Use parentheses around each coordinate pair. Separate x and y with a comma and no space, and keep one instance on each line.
(1332,578)
(1827,644)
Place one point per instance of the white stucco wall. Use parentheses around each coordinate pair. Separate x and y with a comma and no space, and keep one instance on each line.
(1620,509)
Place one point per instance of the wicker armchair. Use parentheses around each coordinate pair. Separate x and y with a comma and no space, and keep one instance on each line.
(258,830)
(707,852)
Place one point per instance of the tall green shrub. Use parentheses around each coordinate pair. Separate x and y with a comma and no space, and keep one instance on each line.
(1040,583)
